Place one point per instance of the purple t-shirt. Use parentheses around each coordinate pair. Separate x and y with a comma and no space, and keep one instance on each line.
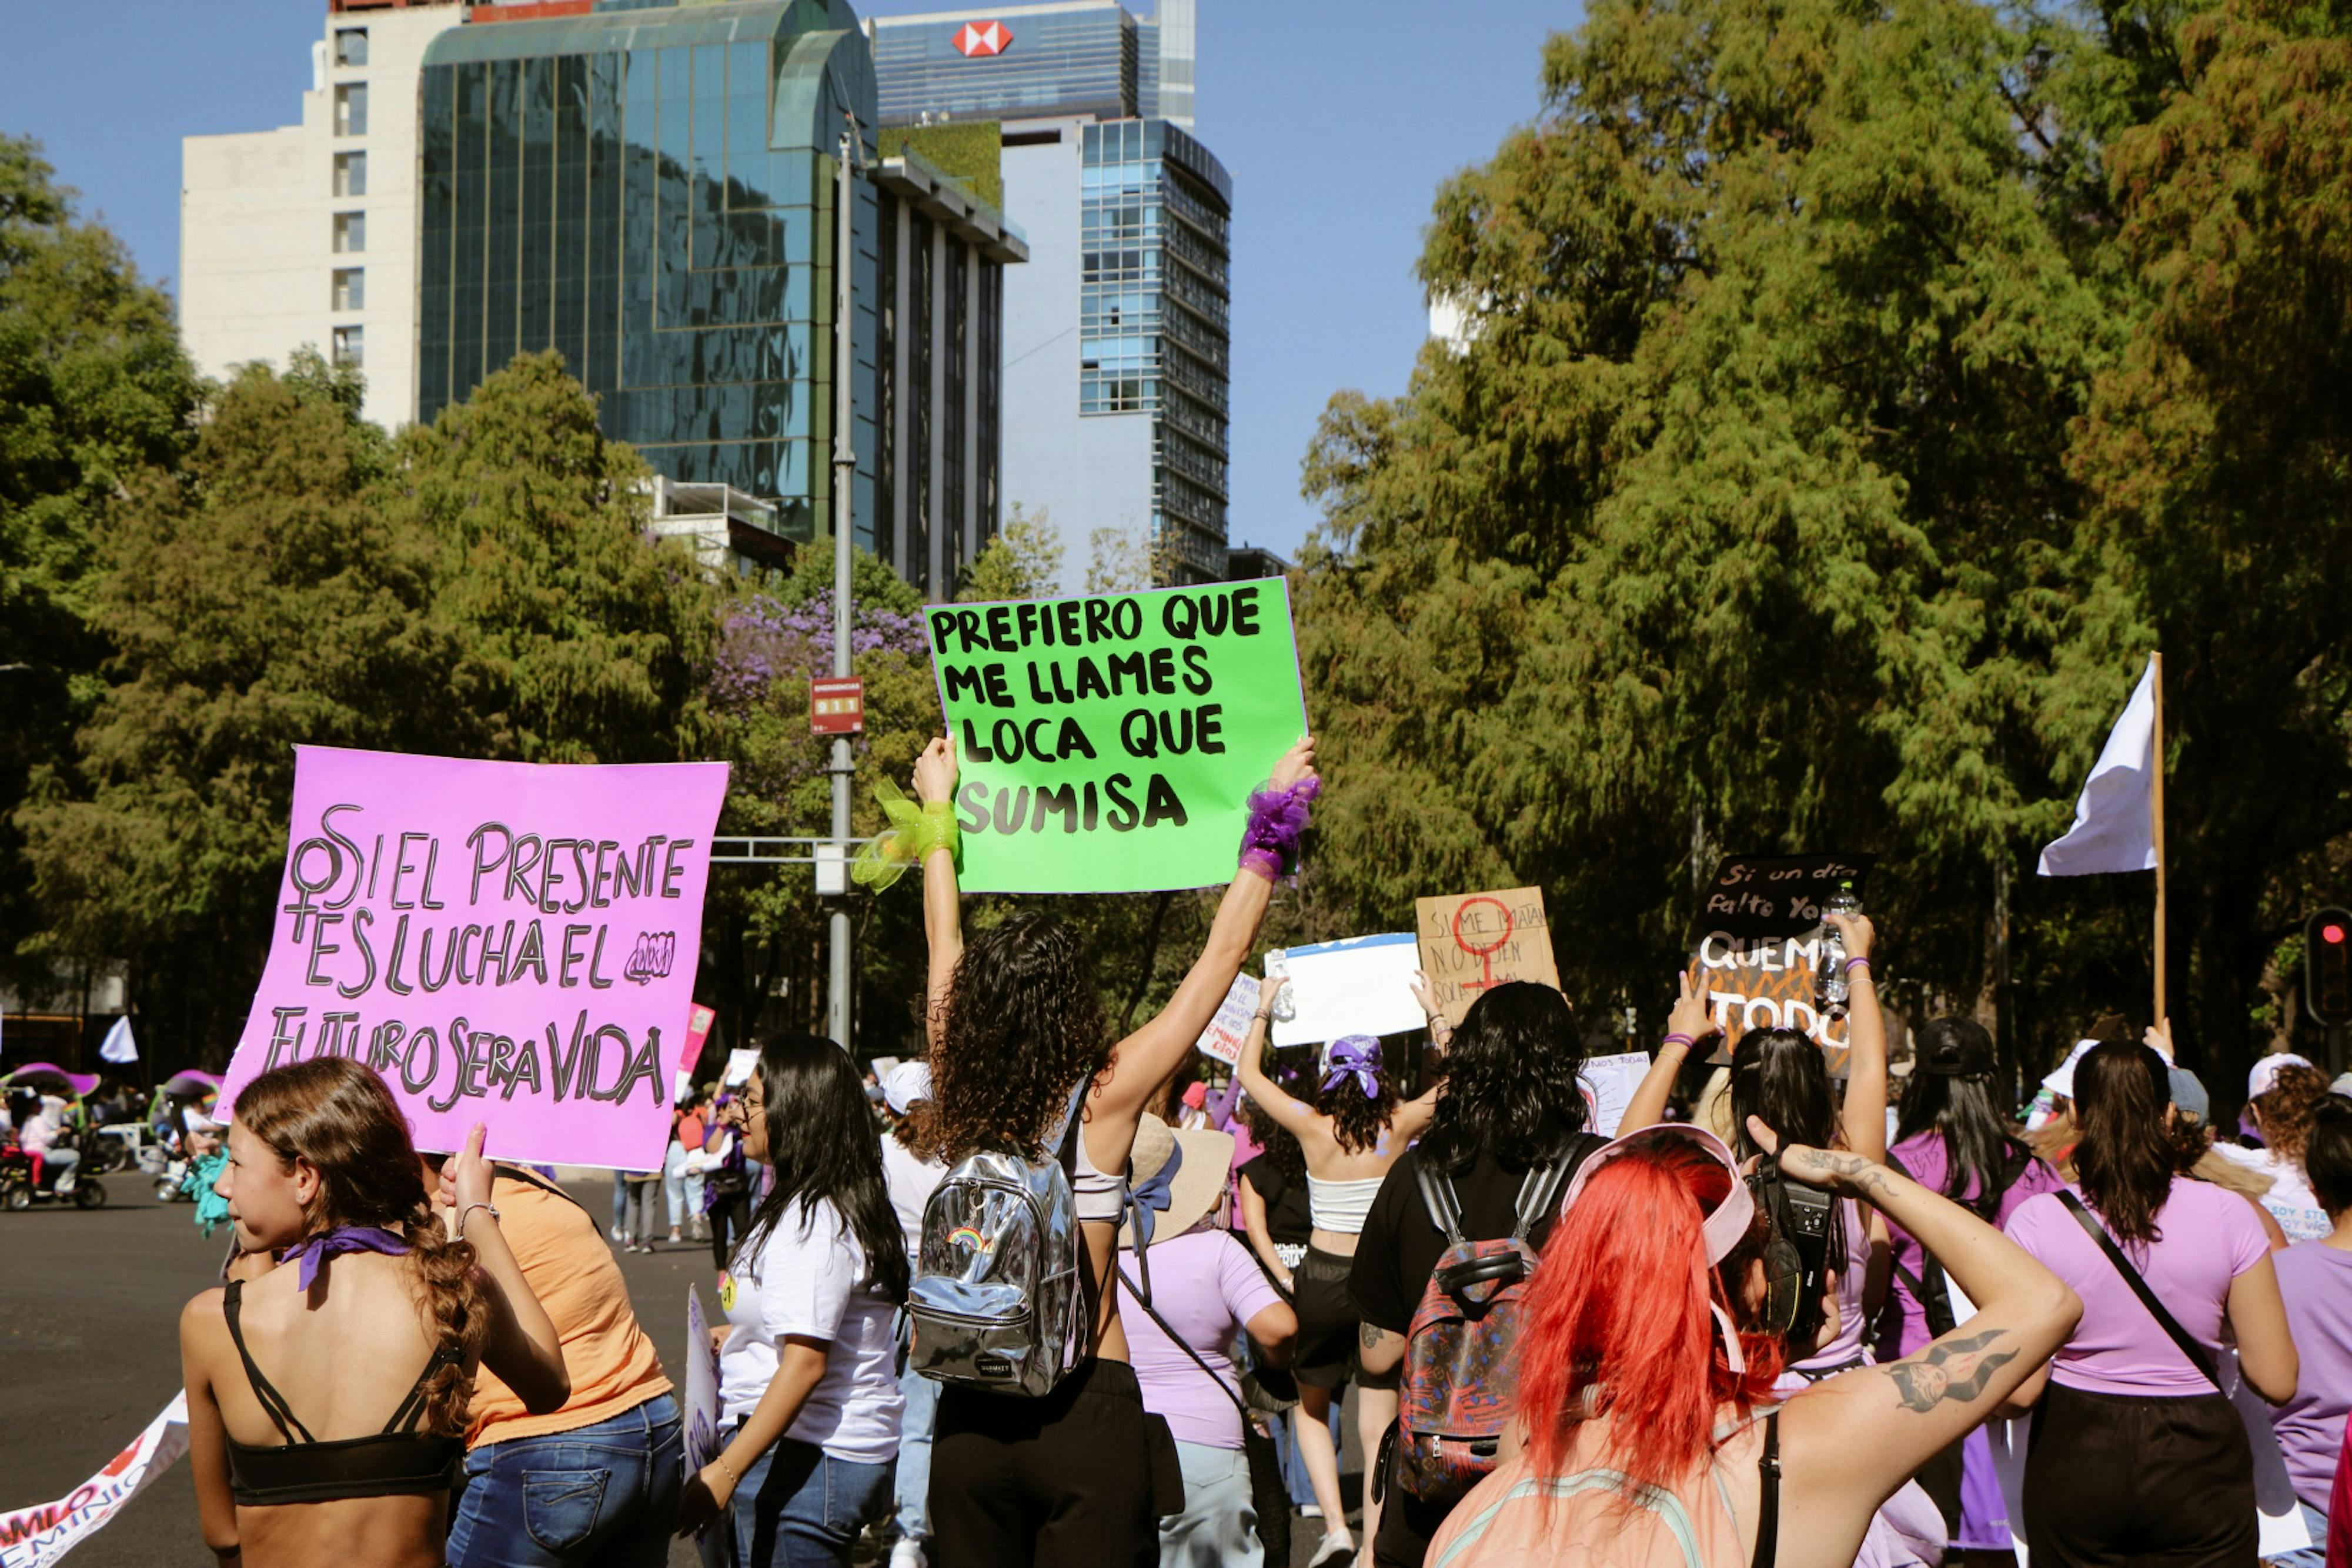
(2315,1281)
(2210,1238)
(1207,1286)
(1925,1155)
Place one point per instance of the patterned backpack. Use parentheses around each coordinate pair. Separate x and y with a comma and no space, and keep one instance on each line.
(1461,1377)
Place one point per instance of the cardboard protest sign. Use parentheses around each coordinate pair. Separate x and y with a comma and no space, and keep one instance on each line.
(701,1411)
(1776,896)
(1609,1082)
(1223,1039)
(502,941)
(1471,943)
(1109,744)
(1768,982)
(1360,986)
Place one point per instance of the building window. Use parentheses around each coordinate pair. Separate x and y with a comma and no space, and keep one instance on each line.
(351,109)
(351,288)
(349,346)
(351,174)
(351,231)
(350,45)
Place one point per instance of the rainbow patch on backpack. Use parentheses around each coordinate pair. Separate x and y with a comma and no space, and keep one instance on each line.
(965,1236)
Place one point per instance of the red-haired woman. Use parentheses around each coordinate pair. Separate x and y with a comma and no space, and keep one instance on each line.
(326,1396)
(1648,1353)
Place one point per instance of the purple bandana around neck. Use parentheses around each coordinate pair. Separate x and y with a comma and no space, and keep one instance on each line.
(311,1254)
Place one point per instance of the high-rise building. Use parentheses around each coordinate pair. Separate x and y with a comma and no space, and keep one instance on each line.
(648,187)
(307,235)
(1116,332)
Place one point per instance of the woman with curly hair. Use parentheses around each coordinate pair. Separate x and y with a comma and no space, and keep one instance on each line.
(1352,1135)
(359,1304)
(1019,1045)
(2283,1093)
(1513,1101)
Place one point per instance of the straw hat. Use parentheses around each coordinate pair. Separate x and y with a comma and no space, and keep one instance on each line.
(1198,1185)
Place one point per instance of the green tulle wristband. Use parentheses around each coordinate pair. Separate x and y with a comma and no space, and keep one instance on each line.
(914,832)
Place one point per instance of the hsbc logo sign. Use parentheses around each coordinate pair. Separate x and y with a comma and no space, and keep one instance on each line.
(978,40)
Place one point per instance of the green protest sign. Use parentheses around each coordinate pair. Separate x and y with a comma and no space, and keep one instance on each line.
(1109,743)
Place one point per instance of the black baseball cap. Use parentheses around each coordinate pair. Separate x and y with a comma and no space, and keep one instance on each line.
(1953,1048)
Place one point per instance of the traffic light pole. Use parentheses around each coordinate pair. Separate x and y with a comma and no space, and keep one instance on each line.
(845,471)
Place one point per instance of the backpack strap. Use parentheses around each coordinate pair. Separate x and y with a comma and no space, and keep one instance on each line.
(1144,1300)
(2199,1356)
(1768,1496)
(1438,1197)
(1539,1193)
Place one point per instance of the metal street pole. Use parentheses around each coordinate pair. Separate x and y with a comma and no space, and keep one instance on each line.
(844,470)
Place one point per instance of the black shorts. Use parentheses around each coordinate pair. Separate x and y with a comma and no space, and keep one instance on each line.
(1327,1319)
(2114,1480)
(1065,1481)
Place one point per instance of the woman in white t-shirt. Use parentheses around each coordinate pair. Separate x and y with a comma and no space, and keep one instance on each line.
(911,1178)
(808,1384)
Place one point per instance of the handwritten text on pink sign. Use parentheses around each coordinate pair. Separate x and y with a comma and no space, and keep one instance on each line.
(502,941)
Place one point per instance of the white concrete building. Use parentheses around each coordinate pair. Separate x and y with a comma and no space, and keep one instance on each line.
(307,235)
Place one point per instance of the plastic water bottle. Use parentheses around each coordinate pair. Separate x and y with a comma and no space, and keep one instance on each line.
(1833,990)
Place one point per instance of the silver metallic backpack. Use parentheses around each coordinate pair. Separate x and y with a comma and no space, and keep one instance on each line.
(996,1301)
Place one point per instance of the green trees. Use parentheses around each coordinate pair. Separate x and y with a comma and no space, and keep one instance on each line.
(93,388)
(482,587)
(1759,507)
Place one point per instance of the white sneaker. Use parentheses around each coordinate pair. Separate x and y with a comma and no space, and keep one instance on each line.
(619,1234)
(1310,1511)
(1338,1543)
(907,1553)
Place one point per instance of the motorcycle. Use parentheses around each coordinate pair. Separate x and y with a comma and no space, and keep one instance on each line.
(19,1191)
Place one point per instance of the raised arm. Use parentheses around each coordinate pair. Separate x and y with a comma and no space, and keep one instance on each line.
(1852,1440)
(1865,1120)
(935,782)
(523,1348)
(1294,1118)
(1687,1025)
(1143,1060)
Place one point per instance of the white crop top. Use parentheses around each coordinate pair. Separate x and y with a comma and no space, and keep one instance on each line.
(1340,1207)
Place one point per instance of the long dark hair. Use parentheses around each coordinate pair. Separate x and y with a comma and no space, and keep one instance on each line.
(338,1114)
(1512,1089)
(1964,1110)
(2125,1160)
(2328,1154)
(1279,1143)
(822,1142)
(1020,1025)
(1780,1077)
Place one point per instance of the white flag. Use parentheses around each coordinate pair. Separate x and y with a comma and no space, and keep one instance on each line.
(118,1046)
(2114,822)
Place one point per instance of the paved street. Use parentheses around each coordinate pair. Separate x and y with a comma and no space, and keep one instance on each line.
(90,1306)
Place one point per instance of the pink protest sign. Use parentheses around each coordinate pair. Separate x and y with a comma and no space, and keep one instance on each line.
(505,942)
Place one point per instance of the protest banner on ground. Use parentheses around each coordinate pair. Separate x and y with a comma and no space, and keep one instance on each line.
(1109,744)
(1776,896)
(701,1413)
(502,941)
(36,1537)
(1609,1082)
(1226,1032)
(1767,982)
(1471,943)
(1362,985)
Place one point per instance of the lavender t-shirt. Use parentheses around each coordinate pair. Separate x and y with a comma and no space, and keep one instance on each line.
(2210,1238)
(2315,1281)
(1207,1286)
(1926,1158)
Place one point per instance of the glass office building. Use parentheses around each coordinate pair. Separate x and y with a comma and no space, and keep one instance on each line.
(650,190)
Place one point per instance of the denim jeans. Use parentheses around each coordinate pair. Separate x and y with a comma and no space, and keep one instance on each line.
(799,1507)
(681,1192)
(2315,1554)
(914,1486)
(603,1495)
(1218,1528)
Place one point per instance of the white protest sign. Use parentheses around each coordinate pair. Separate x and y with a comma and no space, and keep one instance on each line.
(701,1411)
(1362,985)
(30,1537)
(739,1064)
(1226,1032)
(1609,1085)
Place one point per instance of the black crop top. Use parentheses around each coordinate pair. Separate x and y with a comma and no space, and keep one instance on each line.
(398,1462)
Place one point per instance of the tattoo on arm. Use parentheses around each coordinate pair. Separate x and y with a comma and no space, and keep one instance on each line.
(1369,1334)
(1957,1370)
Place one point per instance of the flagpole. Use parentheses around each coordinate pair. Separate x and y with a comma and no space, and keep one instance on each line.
(2156,808)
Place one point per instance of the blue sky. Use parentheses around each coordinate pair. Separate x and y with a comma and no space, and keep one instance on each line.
(1337,122)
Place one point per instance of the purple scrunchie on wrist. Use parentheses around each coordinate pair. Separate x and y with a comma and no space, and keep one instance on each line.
(1278,821)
